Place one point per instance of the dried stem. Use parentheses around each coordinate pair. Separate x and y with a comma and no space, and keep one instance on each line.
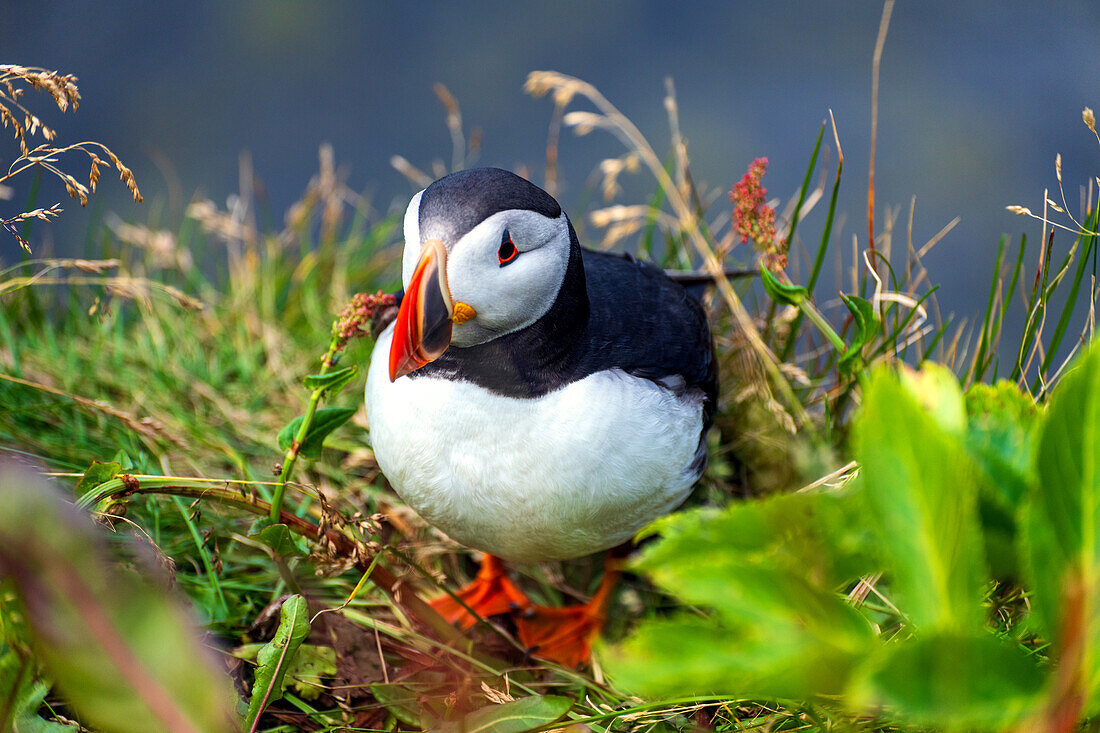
(14,82)
(564,88)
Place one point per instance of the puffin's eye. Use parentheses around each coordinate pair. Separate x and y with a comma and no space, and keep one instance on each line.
(507,251)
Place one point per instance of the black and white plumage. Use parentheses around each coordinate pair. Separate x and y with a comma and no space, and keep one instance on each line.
(541,401)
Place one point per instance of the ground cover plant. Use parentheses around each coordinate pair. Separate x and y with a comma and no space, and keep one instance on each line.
(896,530)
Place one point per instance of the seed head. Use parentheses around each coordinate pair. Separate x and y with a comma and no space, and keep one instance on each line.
(357,313)
(754,219)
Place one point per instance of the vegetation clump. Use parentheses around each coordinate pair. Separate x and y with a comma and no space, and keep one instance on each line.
(897,527)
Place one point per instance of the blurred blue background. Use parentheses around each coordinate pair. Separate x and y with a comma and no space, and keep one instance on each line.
(976,99)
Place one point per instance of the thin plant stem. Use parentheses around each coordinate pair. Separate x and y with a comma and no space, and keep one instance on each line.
(292,452)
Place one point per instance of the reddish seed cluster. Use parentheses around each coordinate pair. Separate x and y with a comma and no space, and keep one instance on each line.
(754,219)
(358,312)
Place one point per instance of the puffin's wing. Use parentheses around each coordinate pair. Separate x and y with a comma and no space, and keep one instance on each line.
(649,326)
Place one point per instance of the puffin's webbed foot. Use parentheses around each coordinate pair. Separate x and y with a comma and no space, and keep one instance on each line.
(565,635)
(490,594)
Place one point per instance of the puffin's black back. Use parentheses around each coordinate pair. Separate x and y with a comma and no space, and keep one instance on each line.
(612,312)
(647,325)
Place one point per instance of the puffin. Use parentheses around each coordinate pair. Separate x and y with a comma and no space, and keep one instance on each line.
(532,399)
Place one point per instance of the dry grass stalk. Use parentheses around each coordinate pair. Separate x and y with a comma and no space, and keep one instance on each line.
(563,89)
(161,244)
(880,43)
(1077,229)
(553,136)
(14,82)
(464,152)
(328,192)
(417,177)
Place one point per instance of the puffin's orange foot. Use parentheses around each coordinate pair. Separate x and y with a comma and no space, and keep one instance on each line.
(562,635)
(565,635)
(490,594)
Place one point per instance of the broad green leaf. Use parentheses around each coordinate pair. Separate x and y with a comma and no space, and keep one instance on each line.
(96,474)
(325,420)
(35,724)
(332,382)
(400,701)
(696,656)
(936,389)
(277,656)
(1001,436)
(311,664)
(769,570)
(782,293)
(119,649)
(22,704)
(122,458)
(953,682)
(1061,525)
(279,538)
(517,716)
(818,534)
(866,320)
(920,493)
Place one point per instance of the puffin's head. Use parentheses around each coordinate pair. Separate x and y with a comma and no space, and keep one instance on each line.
(486,253)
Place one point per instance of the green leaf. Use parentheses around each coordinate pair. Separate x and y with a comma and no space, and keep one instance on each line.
(277,656)
(26,700)
(517,716)
(1001,436)
(119,649)
(122,458)
(35,724)
(1061,525)
(953,682)
(332,382)
(400,700)
(867,322)
(279,538)
(800,536)
(769,571)
(689,655)
(936,389)
(919,489)
(98,473)
(325,420)
(781,293)
(312,663)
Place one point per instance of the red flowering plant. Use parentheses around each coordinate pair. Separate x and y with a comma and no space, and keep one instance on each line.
(306,434)
(754,219)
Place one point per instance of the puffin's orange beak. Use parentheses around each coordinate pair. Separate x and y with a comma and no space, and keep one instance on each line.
(423,329)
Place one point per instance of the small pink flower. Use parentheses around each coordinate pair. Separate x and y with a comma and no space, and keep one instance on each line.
(754,219)
(356,314)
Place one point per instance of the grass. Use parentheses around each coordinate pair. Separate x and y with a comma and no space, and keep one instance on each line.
(181,355)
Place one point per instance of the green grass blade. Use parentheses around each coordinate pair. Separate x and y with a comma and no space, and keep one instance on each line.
(805,185)
(986,336)
(645,247)
(204,556)
(819,258)
(1034,312)
(1089,242)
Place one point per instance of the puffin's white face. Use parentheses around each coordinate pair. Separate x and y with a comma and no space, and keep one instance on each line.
(500,276)
(509,286)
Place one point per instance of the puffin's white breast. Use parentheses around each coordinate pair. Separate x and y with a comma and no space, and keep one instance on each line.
(573,472)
